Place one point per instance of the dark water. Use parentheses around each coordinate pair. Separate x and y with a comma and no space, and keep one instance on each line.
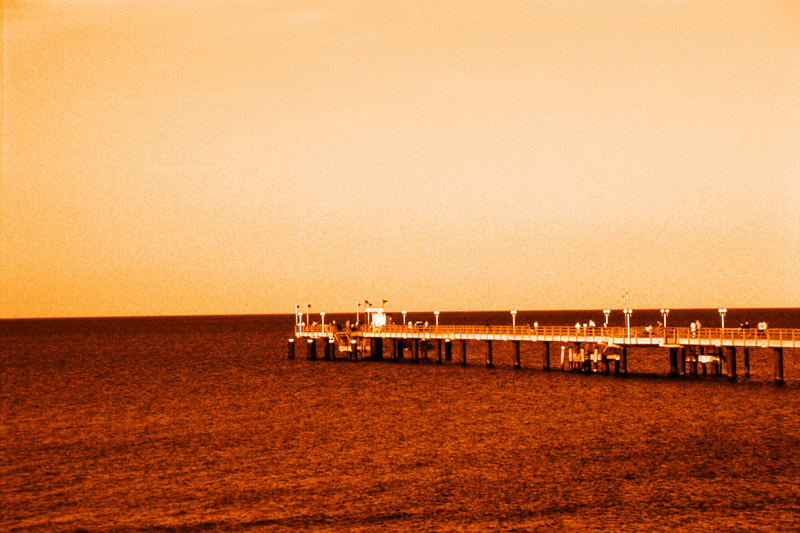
(202,423)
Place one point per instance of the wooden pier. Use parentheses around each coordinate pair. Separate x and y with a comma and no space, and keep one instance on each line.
(590,349)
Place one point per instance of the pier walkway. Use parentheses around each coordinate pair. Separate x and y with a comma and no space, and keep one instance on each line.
(636,336)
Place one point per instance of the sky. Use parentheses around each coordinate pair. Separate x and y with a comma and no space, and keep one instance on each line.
(237,157)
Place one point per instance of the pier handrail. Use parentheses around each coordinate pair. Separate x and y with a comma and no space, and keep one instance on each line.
(619,335)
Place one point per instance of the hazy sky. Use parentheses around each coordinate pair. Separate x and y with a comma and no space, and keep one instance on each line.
(204,157)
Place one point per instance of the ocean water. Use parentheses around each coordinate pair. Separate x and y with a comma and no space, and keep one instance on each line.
(201,423)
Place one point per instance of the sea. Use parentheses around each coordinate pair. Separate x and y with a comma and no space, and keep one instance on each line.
(203,423)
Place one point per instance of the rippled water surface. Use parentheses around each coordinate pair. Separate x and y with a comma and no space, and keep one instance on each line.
(190,423)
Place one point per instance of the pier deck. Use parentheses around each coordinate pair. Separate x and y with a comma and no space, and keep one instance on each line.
(637,336)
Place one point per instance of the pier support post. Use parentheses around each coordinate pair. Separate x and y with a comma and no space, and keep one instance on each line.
(290,349)
(376,348)
(673,362)
(311,349)
(332,348)
(747,362)
(778,365)
(448,350)
(489,361)
(354,350)
(517,361)
(682,361)
(546,364)
(693,364)
(730,359)
(623,360)
(463,351)
(439,351)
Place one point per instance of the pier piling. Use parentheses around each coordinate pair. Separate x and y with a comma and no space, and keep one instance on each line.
(730,359)
(546,363)
(682,361)
(517,362)
(311,349)
(623,360)
(747,362)
(448,350)
(290,349)
(673,362)
(778,365)
(489,361)
(463,352)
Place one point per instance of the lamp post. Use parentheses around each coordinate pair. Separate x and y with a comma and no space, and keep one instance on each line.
(606,312)
(297,315)
(722,312)
(358,308)
(514,320)
(436,314)
(308,314)
(322,314)
(404,317)
(664,313)
(628,312)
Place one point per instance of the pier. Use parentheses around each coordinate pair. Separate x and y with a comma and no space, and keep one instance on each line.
(713,351)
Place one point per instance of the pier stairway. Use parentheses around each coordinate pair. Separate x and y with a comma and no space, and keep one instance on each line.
(343,341)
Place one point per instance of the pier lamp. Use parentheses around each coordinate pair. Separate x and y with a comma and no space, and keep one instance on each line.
(664,313)
(298,316)
(606,312)
(436,314)
(514,320)
(722,312)
(404,317)
(322,315)
(308,314)
(358,308)
(628,313)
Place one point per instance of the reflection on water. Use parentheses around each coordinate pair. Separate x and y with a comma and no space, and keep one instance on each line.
(202,422)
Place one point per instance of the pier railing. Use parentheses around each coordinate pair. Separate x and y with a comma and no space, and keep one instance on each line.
(658,336)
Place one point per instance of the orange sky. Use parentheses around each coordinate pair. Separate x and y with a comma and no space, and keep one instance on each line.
(205,157)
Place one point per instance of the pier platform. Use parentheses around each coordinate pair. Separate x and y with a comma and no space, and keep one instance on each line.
(586,348)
